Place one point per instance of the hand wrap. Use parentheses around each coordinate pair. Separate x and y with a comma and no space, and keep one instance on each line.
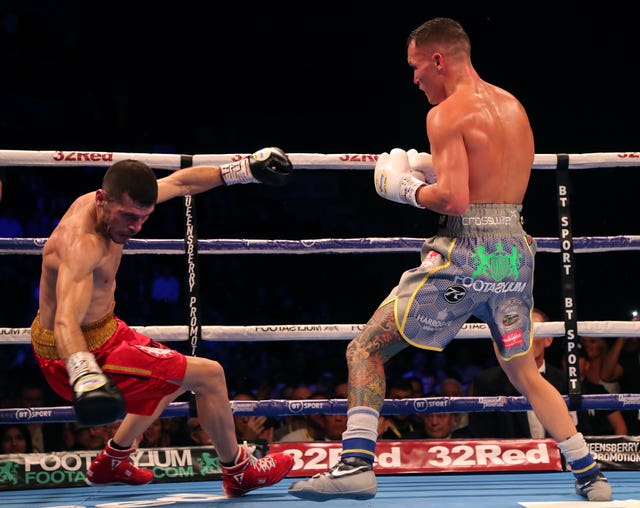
(270,166)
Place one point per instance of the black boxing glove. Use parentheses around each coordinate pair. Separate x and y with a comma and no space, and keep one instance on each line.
(96,400)
(270,166)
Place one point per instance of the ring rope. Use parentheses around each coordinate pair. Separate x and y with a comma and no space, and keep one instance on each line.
(297,332)
(275,407)
(58,158)
(586,244)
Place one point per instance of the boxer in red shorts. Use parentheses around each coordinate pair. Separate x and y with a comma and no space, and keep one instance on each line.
(109,371)
(122,352)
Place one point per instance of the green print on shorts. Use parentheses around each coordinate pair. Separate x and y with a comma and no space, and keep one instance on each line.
(497,265)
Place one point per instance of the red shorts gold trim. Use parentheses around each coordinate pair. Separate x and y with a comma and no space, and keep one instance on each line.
(145,370)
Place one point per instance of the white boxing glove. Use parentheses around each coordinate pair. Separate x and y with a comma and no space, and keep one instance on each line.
(421,162)
(394,180)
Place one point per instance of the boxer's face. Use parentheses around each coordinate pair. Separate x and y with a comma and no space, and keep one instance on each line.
(122,218)
(425,62)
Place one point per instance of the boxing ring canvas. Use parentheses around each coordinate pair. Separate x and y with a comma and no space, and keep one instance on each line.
(530,490)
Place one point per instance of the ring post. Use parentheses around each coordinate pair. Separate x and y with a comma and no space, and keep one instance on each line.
(568,280)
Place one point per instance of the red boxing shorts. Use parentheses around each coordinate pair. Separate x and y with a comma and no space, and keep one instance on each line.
(144,370)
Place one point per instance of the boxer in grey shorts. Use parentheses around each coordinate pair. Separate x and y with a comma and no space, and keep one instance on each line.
(479,264)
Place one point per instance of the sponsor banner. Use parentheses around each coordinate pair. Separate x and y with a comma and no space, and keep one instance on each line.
(188,464)
(433,456)
(615,452)
(68,469)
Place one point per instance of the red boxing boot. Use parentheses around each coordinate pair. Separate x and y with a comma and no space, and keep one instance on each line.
(114,466)
(251,473)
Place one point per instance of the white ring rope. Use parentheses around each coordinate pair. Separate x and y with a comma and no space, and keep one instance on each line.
(298,332)
(59,158)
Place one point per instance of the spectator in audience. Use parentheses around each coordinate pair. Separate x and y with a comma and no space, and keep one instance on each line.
(77,437)
(439,425)
(253,429)
(175,428)
(197,434)
(291,423)
(267,388)
(595,422)
(442,425)
(451,387)
(334,426)
(340,390)
(400,426)
(15,438)
(45,437)
(622,364)
(32,395)
(320,427)
(596,349)
(493,381)
(417,388)
(68,436)
(154,436)
(110,429)
(98,436)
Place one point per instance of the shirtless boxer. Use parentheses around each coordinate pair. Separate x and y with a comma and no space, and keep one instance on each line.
(480,263)
(92,358)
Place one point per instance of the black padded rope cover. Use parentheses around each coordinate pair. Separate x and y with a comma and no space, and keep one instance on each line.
(568,280)
(193,277)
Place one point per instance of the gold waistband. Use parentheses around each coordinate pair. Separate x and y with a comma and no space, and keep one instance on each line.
(96,334)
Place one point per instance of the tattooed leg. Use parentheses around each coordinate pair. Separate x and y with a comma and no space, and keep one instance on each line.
(366,356)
